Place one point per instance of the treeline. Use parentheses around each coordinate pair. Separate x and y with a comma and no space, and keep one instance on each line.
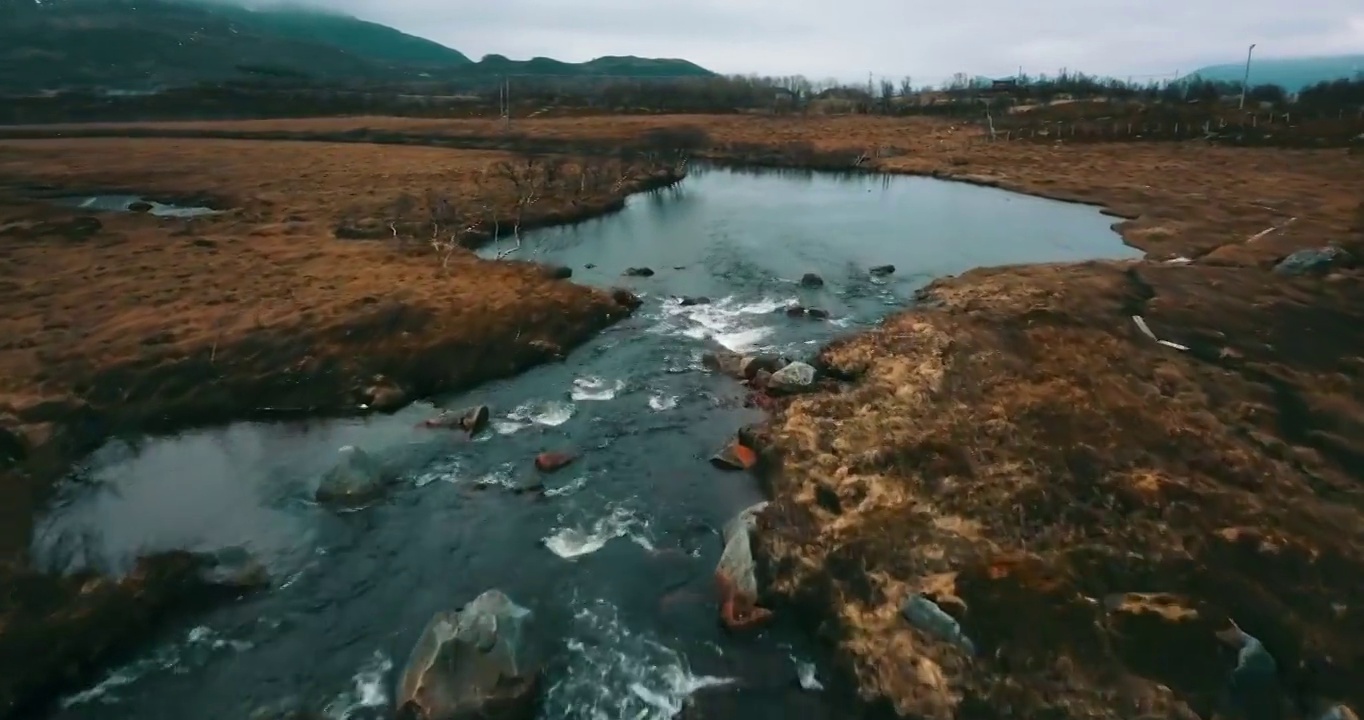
(268,96)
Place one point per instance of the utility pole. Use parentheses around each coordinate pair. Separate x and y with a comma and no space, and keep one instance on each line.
(1245,82)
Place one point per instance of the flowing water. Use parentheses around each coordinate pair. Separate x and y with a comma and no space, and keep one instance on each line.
(616,557)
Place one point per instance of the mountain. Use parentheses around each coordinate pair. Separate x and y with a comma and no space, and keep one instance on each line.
(1293,74)
(145,45)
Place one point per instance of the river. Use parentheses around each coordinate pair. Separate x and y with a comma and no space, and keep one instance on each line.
(616,558)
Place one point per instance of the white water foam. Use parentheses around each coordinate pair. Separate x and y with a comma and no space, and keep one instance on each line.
(549,413)
(368,690)
(574,485)
(594,388)
(575,541)
(504,476)
(734,324)
(615,673)
(659,403)
(199,642)
(805,675)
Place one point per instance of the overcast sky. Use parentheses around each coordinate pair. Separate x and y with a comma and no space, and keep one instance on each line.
(849,38)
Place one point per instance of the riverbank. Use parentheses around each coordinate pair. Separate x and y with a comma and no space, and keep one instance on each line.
(1094,507)
(125,323)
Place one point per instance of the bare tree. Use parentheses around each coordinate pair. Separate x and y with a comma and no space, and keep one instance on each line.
(527,177)
(906,86)
(403,207)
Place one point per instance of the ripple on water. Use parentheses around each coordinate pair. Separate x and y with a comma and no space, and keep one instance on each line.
(618,673)
(197,647)
(659,402)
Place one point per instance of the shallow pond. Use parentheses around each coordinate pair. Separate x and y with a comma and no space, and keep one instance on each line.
(616,558)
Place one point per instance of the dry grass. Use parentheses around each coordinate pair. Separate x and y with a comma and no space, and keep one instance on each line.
(155,322)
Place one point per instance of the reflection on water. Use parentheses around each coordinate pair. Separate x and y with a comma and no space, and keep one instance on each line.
(616,556)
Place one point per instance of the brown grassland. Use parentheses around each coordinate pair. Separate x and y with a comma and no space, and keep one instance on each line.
(1093,507)
(132,323)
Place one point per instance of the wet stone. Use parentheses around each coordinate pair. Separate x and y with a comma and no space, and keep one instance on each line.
(356,478)
(548,462)
(734,456)
(811,280)
(475,663)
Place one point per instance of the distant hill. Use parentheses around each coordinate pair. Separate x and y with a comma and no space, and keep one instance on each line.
(143,45)
(1292,74)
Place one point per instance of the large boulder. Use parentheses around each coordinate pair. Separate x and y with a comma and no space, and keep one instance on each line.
(735,575)
(797,377)
(355,478)
(476,663)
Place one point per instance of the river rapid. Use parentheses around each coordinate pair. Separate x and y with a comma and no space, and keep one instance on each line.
(616,557)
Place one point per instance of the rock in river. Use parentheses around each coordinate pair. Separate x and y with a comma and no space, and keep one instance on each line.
(639,272)
(882,270)
(471,420)
(735,575)
(734,457)
(740,367)
(811,280)
(356,478)
(474,664)
(549,462)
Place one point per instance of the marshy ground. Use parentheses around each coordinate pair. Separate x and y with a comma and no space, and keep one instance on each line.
(1014,447)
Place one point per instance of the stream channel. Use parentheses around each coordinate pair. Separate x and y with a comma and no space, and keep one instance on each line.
(616,558)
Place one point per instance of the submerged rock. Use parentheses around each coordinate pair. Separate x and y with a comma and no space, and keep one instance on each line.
(549,462)
(796,377)
(1314,261)
(689,301)
(473,664)
(811,280)
(882,270)
(356,478)
(735,575)
(139,206)
(639,272)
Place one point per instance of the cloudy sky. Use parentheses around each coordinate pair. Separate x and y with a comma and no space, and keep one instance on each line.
(849,38)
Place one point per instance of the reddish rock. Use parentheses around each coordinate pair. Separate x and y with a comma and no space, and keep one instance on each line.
(549,462)
(738,610)
(734,457)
